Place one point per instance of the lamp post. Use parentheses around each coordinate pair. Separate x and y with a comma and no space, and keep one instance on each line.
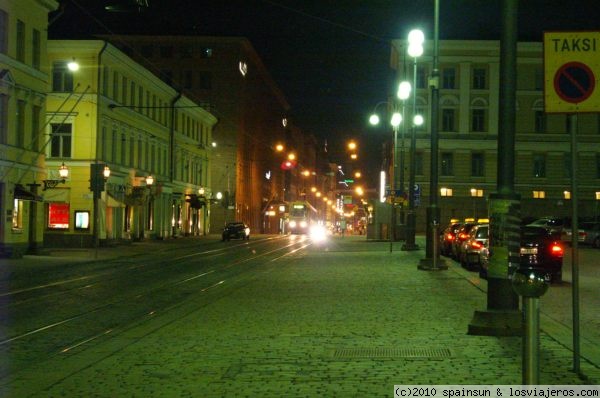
(395,121)
(416,38)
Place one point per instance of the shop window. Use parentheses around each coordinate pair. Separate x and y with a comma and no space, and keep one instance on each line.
(82,220)
(58,215)
(17,217)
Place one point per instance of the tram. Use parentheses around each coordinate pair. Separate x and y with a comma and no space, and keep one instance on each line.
(301,216)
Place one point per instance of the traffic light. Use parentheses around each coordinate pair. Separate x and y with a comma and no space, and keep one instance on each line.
(97,179)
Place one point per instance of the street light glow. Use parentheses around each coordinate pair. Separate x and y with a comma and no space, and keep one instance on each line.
(396,119)
(404,90)
(416,36)
(374,120)
(418,120)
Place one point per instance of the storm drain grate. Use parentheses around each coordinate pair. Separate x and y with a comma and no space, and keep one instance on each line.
(434,353)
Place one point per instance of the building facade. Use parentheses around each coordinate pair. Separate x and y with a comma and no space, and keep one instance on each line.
(226,75)
(113,114)
(23,87)
(468,132)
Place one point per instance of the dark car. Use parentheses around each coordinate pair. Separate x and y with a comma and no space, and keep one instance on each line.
(542,251)
(447,237)
(236,230)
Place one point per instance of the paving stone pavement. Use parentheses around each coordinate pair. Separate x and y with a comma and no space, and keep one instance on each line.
(351,320)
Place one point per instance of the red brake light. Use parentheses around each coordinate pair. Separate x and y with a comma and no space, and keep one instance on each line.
(476,245)
(449,237)
(556,249)
(462,236)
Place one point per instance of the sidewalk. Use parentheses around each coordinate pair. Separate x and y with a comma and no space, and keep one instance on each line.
(350,319)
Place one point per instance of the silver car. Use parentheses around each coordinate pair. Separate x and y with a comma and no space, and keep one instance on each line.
(474,247)
(592,233)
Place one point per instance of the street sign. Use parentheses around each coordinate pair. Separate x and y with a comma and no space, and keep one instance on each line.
(571,68)
(417,190)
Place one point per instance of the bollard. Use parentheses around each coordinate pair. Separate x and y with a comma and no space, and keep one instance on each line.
(529,285)
(435,255)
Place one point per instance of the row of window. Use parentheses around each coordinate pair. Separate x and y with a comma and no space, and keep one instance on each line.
(22,37)
(478,193)
(539,165)
(169,51)
(479,78)
(129,93)
(27,126)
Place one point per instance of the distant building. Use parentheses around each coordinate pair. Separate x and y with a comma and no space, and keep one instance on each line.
(23,87)
(468,131)
(226,75)
(114,114)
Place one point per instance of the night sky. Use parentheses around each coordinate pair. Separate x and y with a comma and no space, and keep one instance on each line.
(330,58)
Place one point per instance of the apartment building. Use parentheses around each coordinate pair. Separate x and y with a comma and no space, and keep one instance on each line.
(226,75)
(111,114)
(23,87)
(468,131)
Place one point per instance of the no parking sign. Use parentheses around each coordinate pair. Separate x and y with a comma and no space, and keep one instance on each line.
(571,71)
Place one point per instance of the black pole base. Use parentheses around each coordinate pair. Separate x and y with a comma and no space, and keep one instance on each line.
(408,247)
(496,323)
(426,264)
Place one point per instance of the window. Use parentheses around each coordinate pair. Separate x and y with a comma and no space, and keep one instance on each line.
(20,40)
(476,193)
(17,216)
(150,215)
(539,166)
(477,165)
(204,80)
(113,145)
(567,165)
(540,122)
(3,32)
(445,191)
(421,77)
(539,194)
(36,49)
(115,94)
(419,163)
(447,164)
(36,114)
(448,119)
(123,159)
(60,140)
(124,90)
(479,79)
(147,51)
(567,195)
(20,131)
(62,78)
(58,215)
(478,120)
(131,151)
(597,165)
(187,79)
(449,78)
(105,75)
(140,97)
(3,118)
(206,52)
(166,51)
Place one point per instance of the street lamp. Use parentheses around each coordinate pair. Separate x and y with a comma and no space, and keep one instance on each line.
(416,38)
(395,121)
(63,173)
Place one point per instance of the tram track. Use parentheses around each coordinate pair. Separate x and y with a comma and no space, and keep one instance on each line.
(148,304)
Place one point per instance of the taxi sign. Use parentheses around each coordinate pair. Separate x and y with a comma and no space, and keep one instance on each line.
(571,72)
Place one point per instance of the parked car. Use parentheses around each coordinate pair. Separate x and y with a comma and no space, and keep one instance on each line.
(461,235)
(236,230)
(555,224)
(541,250)
(471,250)
(448,236)
(567,234)
(592,233)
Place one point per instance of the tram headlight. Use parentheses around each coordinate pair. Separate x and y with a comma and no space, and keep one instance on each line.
(318,233)
(292,224)
(303,224)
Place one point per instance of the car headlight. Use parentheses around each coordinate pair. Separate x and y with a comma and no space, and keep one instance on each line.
(303,224)
(247,230)
(292,224)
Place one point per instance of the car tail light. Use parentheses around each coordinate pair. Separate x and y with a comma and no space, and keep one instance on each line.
(476,245)
(556,250)
(449,237)
(462,236)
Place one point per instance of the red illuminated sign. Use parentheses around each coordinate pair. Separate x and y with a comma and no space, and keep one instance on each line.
(58,215)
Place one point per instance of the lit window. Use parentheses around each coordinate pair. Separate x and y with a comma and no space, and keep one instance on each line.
(567,195)
(446,191)
(476,192)
(539,194)
(17,218)
(597,195)
(243,68)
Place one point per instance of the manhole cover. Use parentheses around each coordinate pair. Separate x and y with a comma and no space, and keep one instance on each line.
(436,353)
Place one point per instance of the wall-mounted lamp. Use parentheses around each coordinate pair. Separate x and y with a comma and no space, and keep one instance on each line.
(149,180)
(63,172)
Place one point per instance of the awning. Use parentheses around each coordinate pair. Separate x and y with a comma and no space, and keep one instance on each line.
(23,194)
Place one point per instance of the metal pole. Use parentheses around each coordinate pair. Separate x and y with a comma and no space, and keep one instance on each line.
(531,341)
(402,163)
(392,229)
(574,242)
(409,243)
